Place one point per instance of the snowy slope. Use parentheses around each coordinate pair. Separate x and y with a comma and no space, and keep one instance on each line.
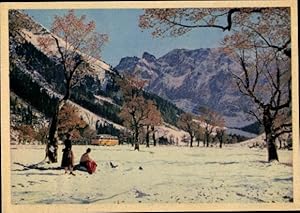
(91,118)
(99,67)
(32,31)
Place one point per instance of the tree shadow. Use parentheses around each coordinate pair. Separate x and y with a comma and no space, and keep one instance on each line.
(283,179)
(39,166)
(270,162)
(80,168)
(222,163)
(40,173)
(35,166)
(288,164)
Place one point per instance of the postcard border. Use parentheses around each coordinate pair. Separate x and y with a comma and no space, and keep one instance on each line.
(5,120)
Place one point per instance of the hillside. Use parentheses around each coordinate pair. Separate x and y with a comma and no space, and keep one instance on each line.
(37,73)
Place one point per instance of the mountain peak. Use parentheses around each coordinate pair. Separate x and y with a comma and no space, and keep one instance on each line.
(149,57)
(127,63)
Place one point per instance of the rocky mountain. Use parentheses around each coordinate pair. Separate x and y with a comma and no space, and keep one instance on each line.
(192,78)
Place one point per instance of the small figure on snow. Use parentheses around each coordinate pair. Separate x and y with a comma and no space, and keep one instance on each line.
(68,157)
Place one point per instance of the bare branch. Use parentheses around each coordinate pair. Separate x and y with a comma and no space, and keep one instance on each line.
(246,85)
(256,71)
(288,101)
(222,27)
(195,26)
(282,126)
(278,48)
(282,132)
(256,116)
(63,60)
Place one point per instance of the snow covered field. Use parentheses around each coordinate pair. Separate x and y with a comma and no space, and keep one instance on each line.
(155,175)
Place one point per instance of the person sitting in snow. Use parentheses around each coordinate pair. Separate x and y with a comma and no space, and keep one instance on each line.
(88,162)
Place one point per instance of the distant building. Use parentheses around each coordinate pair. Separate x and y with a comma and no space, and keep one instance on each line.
(105,140)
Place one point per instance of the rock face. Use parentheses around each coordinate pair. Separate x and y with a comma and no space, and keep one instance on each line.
(192,78)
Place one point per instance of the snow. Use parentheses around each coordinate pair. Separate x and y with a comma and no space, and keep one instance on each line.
(258,141)
(169,174)
(97,65)
(105,99)
(171,132)
(91,118)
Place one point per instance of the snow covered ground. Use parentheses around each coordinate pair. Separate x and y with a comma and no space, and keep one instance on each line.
(163,174)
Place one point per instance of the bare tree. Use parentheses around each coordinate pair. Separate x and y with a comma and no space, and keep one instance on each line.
(200,135)
(153,119)
(153,130)
(221,136)
(187,123)
(76,44)
(210,119)
(137,112)
(266,81)
(220,130)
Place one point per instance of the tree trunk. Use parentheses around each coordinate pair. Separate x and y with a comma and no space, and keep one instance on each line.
(136,139)
(191,141)
(132,140)
(280,143)
(198,142)
(52,146)
(154,139)
(207,137)
(270,139)
(51,149)
(221,142)
(147,137)
(153,136)
(271,146)
(137,147)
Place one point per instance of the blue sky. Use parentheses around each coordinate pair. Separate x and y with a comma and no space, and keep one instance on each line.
(127,39)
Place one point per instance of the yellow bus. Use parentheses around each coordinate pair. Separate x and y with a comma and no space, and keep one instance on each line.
(105,140)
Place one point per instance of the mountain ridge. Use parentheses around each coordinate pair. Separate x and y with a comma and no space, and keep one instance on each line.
(192,78)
